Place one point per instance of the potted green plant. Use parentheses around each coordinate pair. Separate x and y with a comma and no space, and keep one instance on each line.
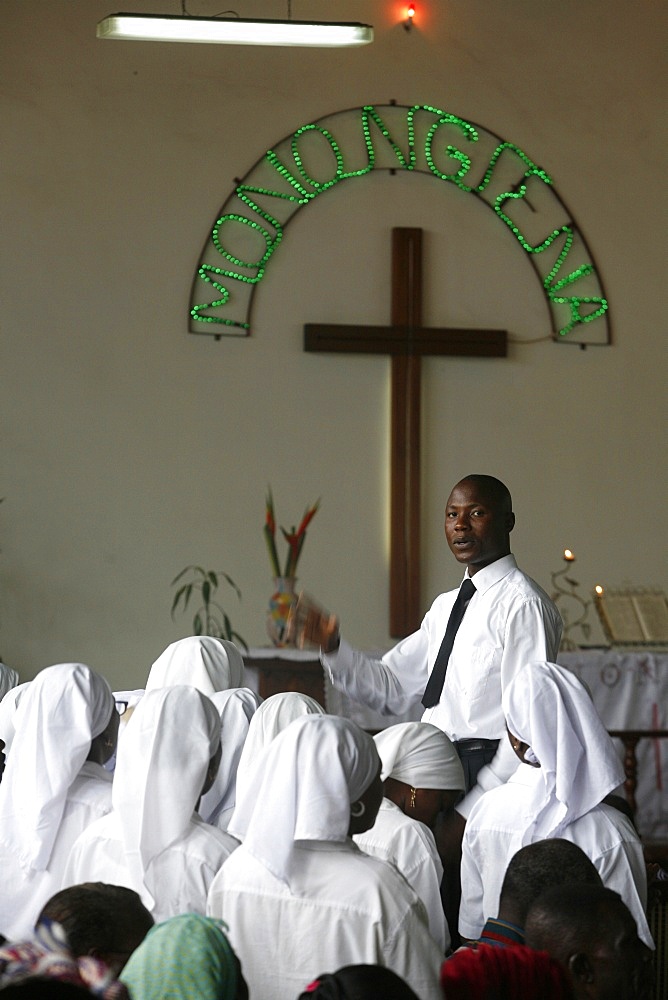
(210,617)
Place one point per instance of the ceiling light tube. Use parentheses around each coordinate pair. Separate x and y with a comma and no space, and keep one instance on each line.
(232,31)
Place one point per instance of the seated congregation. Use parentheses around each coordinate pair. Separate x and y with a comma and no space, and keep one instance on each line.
(188,839)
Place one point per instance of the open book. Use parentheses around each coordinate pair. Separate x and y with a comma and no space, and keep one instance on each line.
(633,617)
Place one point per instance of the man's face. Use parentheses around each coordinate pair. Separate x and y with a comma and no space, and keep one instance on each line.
(623,965)
(477,527)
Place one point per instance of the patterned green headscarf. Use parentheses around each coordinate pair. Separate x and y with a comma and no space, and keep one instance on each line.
(185,957)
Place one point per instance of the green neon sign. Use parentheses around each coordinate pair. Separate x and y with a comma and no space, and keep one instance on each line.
(351,144)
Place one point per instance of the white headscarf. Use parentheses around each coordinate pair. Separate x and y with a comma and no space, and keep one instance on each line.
(201,661)
(58,715)
(160,770)
(236,708)
(420,755)
(302,789)
(547,707)
(9,678)
(271,718)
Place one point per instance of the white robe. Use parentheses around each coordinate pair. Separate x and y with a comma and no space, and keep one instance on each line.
(410,846)
(88,799)
(494,833)
(359,910)
(184,870)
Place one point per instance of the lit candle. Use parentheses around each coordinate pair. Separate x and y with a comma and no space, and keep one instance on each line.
(568,556)
(598,590)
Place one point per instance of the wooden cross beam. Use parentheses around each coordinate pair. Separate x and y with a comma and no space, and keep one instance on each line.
(406,341)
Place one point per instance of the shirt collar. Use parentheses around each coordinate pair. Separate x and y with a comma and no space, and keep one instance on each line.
(326,846)
(501,932)
(489,575)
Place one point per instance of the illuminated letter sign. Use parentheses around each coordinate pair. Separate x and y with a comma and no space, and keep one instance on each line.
(423,139)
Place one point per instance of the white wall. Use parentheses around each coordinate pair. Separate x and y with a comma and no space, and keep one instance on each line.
(133,448)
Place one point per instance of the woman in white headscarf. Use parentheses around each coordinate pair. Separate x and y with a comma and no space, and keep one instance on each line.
(153,841)
(423,777)
(298,895)
(202,661)
(54,785)
(236,708)
(568,766)
(270,719)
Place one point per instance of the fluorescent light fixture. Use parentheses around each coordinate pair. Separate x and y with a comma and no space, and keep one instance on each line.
(232,31)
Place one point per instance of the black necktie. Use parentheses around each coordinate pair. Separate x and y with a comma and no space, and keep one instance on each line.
(432,694)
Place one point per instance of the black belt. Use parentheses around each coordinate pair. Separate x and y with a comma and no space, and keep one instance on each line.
(475,746)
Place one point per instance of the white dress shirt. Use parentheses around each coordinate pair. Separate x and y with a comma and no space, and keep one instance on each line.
(494,834)
(358,910)
(410,845)
(509,621)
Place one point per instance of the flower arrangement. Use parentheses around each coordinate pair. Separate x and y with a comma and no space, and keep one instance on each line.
(294,538)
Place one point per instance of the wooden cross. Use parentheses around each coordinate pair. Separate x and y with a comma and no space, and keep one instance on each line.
(406,341)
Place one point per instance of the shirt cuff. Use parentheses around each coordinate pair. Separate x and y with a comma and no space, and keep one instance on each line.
(340,661)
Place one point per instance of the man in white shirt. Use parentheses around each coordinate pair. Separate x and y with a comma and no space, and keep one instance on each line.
(509,621)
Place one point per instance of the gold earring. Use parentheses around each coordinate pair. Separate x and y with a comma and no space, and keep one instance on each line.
(412,798)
